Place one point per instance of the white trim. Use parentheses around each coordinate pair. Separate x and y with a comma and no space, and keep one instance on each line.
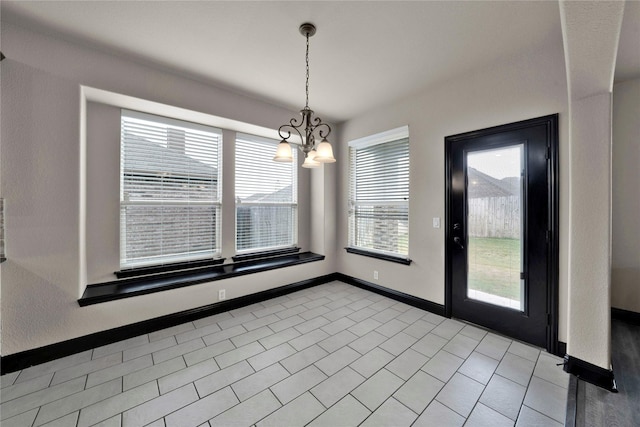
(82,195)
(168,121)
(380,138)
(246,137)
(152,107)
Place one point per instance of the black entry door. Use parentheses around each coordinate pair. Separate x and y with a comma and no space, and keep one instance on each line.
(501,229)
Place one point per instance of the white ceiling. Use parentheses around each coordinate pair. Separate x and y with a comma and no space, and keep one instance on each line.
(365,54)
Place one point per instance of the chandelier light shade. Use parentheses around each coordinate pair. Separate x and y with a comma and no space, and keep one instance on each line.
(312,127)
(324,152)
(284,152)
(310,161)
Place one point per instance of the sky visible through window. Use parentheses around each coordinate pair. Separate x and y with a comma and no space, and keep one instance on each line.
(499,163)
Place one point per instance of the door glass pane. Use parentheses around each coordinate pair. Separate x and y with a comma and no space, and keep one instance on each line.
(494,226)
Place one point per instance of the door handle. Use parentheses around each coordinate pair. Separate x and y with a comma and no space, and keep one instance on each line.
(459,242)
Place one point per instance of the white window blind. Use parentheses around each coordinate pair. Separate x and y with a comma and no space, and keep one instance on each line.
(379,193)
(170,190)
(266,196)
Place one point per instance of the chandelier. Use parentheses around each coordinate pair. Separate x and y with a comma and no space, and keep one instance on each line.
(315,154)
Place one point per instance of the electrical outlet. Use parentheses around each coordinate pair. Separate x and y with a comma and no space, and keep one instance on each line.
(375,274)
(222,294)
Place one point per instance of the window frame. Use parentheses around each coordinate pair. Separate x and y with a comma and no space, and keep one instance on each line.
(390,136)
(169,262)
(256,252)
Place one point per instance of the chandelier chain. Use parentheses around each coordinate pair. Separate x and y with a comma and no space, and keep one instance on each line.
(307,85)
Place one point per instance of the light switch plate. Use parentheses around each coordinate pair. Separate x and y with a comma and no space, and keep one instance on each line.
(436,222)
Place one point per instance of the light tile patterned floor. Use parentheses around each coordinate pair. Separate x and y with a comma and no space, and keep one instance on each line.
(332,355)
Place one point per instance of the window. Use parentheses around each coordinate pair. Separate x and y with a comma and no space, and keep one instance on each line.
(266,196)
(170,189)
(379,193)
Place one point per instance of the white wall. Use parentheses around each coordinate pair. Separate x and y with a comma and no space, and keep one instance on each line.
(44,188)
(589,322)
(625,260)
(590,32)
(523,86)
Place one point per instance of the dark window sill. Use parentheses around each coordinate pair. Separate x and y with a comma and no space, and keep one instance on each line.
(125,288)
(154,269)
(399,260)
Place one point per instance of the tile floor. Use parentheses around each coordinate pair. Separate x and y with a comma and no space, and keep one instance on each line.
(333,355)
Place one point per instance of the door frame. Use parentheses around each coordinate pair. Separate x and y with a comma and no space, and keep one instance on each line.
(553,238)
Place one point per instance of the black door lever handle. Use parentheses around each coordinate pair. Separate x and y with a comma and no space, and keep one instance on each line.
(459,242)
